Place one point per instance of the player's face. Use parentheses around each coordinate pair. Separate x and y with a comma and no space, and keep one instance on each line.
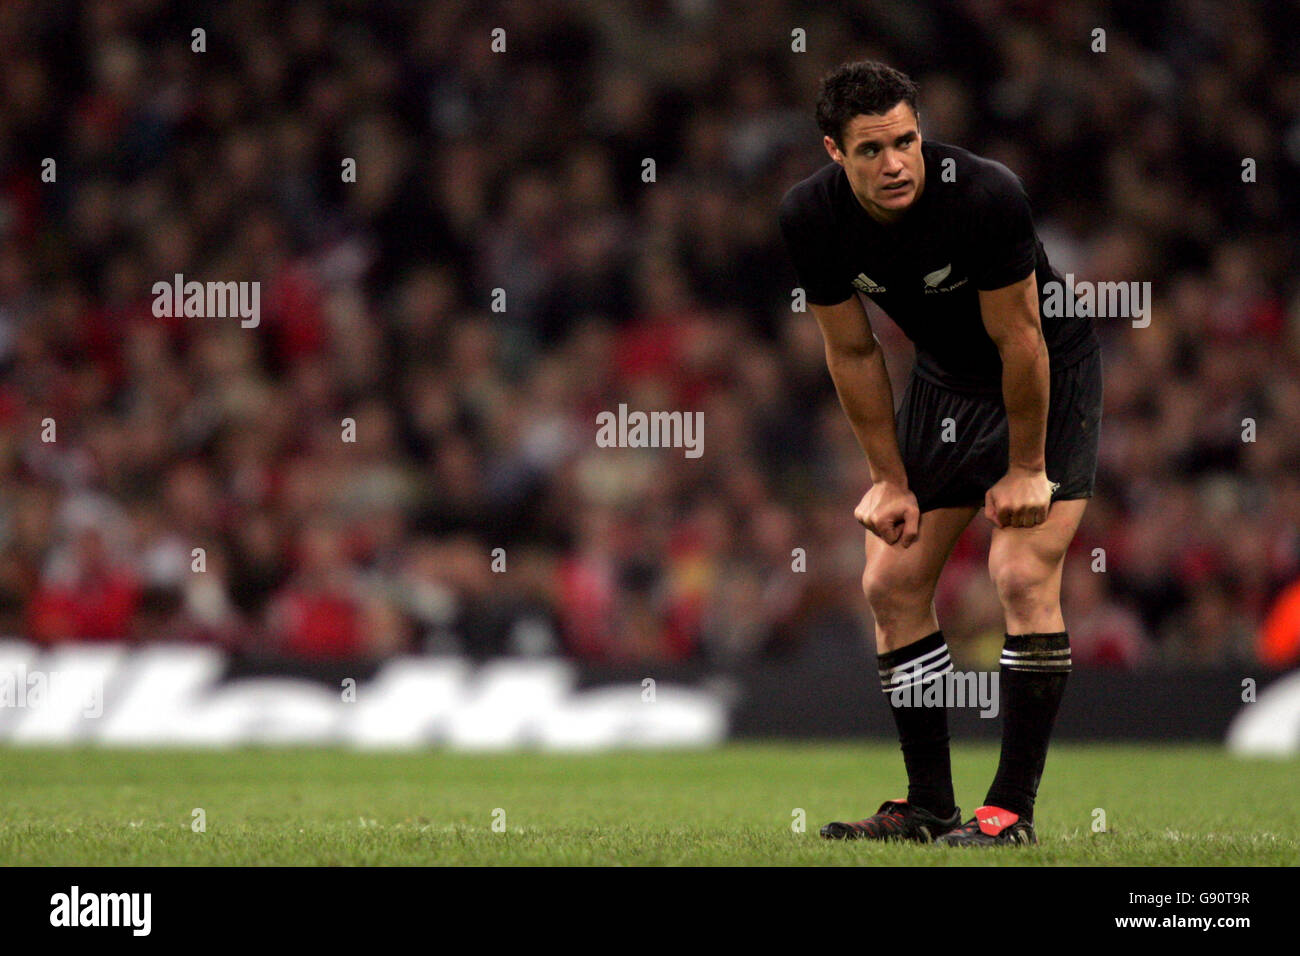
(882,158)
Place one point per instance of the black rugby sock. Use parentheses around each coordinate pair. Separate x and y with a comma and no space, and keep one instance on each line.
(922,731)
(1033,675)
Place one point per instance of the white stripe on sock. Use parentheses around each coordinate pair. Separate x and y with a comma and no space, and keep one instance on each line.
(942,649)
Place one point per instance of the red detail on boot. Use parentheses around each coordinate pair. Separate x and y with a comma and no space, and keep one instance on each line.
(993,820)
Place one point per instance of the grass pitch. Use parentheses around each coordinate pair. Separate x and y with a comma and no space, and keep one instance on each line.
(733,806)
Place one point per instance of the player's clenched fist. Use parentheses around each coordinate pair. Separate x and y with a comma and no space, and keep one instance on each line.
(890,512)
(1020,499)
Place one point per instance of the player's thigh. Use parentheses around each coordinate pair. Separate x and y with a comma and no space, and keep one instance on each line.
(1026,557)
(893,571)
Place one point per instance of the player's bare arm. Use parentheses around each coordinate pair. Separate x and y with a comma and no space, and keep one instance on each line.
(1022,498)
(857,366)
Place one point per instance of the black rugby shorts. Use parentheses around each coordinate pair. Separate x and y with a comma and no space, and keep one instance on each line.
(949,474)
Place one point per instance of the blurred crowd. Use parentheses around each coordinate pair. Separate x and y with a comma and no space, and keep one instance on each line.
(401,456)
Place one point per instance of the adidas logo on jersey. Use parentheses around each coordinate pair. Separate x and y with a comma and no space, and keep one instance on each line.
(864,283)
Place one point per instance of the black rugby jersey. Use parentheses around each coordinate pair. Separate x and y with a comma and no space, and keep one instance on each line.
(925,269)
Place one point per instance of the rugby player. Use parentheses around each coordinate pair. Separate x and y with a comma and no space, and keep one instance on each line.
(1000,413)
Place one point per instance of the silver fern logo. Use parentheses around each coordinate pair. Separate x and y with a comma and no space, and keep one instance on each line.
(938,275)
(934,280)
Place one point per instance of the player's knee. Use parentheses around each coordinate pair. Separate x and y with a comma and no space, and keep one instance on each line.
(892,590)
(1022,581)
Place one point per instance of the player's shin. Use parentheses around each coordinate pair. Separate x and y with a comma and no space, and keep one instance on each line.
(1034,671)
(922,729)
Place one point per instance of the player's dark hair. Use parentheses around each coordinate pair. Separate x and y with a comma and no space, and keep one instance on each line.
(862,87)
